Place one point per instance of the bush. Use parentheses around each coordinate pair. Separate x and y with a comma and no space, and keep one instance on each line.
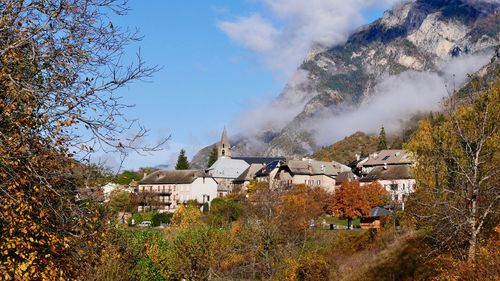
(137,217)
(159,218)
(313,269)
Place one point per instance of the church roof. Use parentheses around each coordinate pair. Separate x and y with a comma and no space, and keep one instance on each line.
(227,168)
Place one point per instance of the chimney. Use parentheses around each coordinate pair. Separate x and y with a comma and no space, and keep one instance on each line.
(144,175)
(357,156)
(385,166)
(322,168)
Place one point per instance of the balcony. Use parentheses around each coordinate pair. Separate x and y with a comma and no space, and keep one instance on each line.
(162,191)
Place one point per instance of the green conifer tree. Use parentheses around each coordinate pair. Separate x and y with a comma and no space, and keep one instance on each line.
(382,142)
(213,157)
(182,161)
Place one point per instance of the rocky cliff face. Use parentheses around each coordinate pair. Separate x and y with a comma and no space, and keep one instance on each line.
(416,35)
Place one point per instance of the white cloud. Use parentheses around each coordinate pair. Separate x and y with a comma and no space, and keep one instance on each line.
(301,25)
(271,114)
(252,32)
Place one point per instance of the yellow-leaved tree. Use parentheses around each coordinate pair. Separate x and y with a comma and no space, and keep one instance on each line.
(457,170)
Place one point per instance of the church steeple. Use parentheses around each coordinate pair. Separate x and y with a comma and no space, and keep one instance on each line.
(224,148)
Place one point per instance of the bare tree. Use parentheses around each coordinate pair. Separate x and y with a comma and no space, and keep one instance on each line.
(457,173)
(75,56)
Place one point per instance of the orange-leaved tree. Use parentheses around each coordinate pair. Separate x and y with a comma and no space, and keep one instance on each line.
(376,195)
(349,201)
(302,206)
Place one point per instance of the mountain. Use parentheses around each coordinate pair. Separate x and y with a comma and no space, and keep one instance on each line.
(344,151)
(413,36)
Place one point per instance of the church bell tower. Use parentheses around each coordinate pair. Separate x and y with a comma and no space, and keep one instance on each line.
(224,149)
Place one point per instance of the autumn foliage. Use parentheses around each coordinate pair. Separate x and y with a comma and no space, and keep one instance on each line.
(376,195)
(58,71)
(349,201)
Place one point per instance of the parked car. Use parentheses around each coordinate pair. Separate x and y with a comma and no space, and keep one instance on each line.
(145,224)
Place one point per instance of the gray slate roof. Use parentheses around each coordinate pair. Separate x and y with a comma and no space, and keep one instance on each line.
(394,172)
(173,177)
(379,212)
(345,177)
(389,157)
(227,168)
(313,167)
(249,173)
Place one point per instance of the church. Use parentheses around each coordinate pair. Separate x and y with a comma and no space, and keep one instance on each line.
(228,168)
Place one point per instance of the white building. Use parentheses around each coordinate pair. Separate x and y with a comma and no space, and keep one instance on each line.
(165,190)
(109,187)
(310,173)
(392,169)
(396,179)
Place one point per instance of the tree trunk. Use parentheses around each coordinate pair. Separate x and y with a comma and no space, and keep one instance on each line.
(472,248)
(471,256)
(348,223)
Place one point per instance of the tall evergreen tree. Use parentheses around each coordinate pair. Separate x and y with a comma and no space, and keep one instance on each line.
(213,157)
(382,142)
(182,161)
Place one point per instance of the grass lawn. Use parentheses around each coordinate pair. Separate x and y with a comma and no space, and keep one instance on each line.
(336,221)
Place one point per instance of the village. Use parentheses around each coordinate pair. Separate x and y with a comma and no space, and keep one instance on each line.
(362,140)
(163,191)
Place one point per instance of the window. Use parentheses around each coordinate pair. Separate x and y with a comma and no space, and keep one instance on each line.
(394,186)
(385,158)
(319,182)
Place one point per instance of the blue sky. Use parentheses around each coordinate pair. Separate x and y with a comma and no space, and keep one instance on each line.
(210,72)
